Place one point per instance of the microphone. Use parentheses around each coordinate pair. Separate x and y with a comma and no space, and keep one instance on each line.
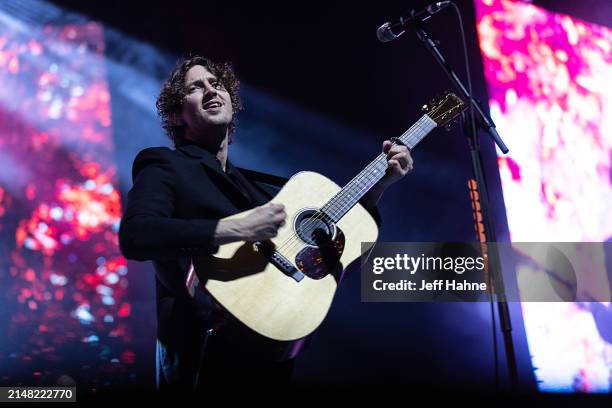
(391,31)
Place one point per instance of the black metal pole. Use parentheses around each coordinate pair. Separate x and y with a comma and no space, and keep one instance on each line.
(484,122)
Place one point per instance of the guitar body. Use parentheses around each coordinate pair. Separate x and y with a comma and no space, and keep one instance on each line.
(284,287)
(272,301)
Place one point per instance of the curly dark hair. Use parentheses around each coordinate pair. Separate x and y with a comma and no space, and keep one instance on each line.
(170,100)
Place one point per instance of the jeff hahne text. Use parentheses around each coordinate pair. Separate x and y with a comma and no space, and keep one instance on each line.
(421,264)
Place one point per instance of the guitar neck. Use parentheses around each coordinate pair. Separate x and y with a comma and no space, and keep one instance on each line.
(355,189)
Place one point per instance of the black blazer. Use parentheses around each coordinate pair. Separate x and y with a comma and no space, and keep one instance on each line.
(172,211)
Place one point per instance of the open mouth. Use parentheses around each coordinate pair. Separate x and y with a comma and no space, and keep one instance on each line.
(212,105)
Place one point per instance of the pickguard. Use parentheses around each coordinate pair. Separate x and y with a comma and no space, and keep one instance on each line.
(317,262)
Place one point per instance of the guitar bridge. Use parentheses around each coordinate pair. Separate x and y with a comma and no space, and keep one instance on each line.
(279,260)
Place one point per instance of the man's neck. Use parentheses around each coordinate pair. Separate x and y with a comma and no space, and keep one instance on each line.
(222,154)
(219,149)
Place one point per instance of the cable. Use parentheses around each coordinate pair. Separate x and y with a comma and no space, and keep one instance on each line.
(475,140)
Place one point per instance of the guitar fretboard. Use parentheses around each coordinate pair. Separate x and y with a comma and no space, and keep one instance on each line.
(355,189)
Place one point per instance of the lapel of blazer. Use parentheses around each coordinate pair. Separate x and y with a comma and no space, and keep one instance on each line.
(216,173)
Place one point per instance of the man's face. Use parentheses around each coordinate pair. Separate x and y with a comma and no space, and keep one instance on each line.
(207,103)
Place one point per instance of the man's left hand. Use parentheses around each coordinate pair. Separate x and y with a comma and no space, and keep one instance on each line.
(399,164)
(399,160)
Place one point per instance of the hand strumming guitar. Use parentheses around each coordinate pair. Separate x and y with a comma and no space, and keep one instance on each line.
(261,224)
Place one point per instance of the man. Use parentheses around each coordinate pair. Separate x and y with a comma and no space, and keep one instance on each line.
(174,210)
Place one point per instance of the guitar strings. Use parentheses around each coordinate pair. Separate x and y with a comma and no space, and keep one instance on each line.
(294,239)
(344,208)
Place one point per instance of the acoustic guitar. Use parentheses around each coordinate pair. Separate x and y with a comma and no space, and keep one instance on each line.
(283,288)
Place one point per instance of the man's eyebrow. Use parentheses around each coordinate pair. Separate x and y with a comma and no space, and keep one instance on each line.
(195,81)
(201,81)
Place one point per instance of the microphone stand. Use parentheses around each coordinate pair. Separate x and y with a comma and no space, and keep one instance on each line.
(486,123)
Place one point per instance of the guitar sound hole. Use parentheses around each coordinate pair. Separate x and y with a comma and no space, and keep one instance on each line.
(313,226)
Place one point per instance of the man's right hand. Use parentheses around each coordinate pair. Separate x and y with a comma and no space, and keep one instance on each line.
(261,224)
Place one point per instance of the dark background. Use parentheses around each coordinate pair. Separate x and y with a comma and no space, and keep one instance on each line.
(323,58)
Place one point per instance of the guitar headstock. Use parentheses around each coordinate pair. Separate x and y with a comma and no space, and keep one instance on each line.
(444,108)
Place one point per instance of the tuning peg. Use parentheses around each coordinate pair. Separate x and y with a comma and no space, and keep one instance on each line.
(425,108)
